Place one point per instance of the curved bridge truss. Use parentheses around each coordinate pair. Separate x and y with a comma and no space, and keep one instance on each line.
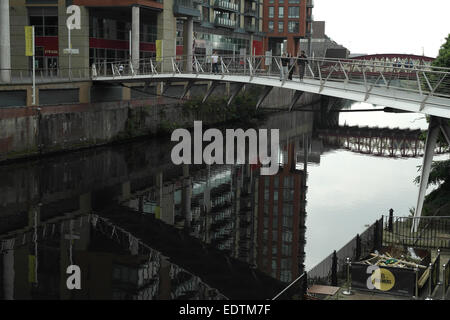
(383,142)
(416,88)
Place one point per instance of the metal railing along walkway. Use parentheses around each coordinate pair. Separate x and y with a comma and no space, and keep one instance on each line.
(410,87)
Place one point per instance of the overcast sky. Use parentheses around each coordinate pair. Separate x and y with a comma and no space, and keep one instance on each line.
(386,26)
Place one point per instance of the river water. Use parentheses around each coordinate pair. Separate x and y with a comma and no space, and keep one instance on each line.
(140,227)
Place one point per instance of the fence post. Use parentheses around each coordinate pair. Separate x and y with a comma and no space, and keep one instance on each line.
(430,279)
(376,236)
(444,266)
(391,220)
(349,287)
(416,295)
(358,248)
(334,269)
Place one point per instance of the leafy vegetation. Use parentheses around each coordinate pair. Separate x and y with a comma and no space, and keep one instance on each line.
(438,201)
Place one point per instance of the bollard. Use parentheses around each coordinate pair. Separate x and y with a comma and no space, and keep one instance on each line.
(443,285)
(416,295)
(349,287)
(439,283)
(429,282)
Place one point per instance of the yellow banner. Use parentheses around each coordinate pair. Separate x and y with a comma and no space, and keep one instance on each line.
(31,268)
(159,49)
(29,41)
(158,212)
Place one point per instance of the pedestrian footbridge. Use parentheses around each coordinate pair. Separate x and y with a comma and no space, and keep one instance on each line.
(410,87)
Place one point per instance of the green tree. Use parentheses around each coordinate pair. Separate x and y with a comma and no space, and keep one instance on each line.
(443,60)
(438,201)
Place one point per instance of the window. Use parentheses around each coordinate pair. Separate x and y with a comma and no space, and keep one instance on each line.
(271,13)
(287,221)
(286,249)
(287,236)
(293,26)
(267,183)
(280,12)
(294,1)
(45,25)
(288,195)
(274,236)
(270,25)
(280,1)
(280,30)
(294,12)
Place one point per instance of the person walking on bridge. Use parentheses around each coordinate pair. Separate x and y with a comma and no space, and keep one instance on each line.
(302,60)
(284,67)
(215,61)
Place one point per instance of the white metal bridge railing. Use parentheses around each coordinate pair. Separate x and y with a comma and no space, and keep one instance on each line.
(423,80)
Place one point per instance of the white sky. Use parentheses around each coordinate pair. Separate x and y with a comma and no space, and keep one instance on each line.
(386,26)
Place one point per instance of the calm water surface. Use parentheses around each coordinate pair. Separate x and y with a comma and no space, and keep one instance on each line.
(140,227)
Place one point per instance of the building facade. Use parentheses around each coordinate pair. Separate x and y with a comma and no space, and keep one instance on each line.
(323,46)
(285,23)
(125,29)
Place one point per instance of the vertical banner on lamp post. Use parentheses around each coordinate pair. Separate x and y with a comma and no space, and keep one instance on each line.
(159,50)
(29,41)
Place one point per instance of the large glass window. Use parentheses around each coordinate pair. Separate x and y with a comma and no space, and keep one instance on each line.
(294,12)
(270,25)
(280,12)
(294,1)
(293,26)
(271,12)
(280,30)
(45,26)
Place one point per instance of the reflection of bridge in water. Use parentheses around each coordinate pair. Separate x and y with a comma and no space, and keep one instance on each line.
(384,142)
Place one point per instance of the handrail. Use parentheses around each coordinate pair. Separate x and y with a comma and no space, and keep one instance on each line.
(284,290)
(375,77)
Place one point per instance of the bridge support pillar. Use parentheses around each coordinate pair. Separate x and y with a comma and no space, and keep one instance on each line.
(430,145)
(135,37)
(188,43)
(264,95)
(5,42)
(445,127)
(211,88)
(297,95)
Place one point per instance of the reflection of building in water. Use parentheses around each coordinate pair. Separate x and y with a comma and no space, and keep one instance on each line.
(114,264)
(281,221)
(218,205)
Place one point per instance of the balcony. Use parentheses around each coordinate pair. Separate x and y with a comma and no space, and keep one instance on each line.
(226,6)
(310,4)
(251,12)
(251,28)
(224,22)
(185,8)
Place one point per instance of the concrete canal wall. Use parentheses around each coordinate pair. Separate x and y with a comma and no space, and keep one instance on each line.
(70,118)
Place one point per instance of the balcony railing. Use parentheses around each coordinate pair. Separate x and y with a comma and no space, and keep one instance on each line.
(224,22)
(250,28)
(185,8)
(226,5)
(251,12)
